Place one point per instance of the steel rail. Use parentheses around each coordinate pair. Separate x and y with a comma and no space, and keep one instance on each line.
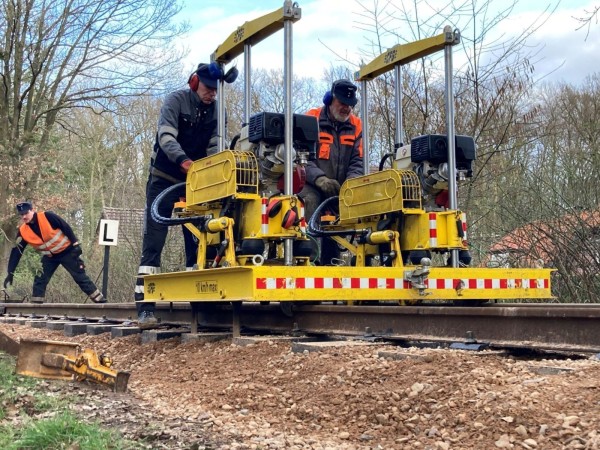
(547,326)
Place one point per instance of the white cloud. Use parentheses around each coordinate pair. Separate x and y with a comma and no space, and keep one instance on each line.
(332,25)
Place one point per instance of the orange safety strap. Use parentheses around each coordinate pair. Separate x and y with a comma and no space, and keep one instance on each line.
(325,141)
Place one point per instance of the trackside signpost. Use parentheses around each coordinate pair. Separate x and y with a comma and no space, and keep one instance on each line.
(108,235)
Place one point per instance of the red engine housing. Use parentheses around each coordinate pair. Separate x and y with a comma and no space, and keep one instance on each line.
(298,180)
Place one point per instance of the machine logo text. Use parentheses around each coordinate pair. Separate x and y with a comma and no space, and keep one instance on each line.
(207,287)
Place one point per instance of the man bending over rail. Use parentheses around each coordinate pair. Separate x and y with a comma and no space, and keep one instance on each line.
(54,238)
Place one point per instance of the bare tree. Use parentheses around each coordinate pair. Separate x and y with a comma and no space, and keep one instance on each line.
(563,172)
(268,90)
(589,17)
(59,55)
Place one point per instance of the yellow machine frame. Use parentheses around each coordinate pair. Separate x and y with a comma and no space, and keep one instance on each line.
(310,283)
(241,277)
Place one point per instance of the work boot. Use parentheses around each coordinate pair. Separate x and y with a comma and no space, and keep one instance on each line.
(146,320)
(37,299)
(97,297)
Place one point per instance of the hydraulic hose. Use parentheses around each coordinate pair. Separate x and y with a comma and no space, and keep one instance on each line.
(169,221)
(314,229)
(384,159)
(234,141)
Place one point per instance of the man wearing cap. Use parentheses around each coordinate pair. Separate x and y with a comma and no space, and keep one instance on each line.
(50,235)
(187,131)
(340,154)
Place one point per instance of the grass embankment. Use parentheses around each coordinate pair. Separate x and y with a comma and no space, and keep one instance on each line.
(33,419)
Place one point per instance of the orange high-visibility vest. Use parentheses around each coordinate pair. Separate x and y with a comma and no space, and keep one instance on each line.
(346,139)
(52,241)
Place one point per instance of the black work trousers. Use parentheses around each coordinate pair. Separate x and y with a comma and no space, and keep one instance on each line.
(72,264)
(155,235)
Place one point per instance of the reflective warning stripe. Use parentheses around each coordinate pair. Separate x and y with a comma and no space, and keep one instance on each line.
(488,283)
(433,230)
(302,220)
(463,218)
(148,270)
(331,283)
(265,217)
(399,283)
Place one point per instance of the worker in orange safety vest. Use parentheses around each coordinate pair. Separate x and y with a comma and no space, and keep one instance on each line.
(55,240)
(339,157)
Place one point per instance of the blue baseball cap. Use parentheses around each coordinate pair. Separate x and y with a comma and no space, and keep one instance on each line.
(345,92)
(208,77)
(24,207)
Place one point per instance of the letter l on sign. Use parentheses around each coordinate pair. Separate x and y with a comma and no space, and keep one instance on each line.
(109,232)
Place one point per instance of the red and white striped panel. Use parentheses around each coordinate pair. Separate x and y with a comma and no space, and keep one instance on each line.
(488,283)
(331,283)
(433,242)
(398,283)
(264,217)
(463,218)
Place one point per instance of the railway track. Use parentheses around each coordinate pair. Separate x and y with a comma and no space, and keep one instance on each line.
(548,327)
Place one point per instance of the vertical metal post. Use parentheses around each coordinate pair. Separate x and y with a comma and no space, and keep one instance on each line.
(289,118)
(195,319)
(398,98)
(105,271)
(221,114)
(364,117)
(236,329)
(247,82)
(452,186)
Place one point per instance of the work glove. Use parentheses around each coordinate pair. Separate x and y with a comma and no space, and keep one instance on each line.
(77,252)
(8,280)
(328,186)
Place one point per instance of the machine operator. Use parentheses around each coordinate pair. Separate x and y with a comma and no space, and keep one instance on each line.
(187,131)
(339,157)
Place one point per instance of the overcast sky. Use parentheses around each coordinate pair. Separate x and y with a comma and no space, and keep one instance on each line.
(565,53)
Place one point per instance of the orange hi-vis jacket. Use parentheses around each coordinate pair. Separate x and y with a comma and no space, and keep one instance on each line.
(52,242)
(340,154)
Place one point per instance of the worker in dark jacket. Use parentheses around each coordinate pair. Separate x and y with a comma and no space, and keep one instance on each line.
(187,131)
(51,236)
(340,154)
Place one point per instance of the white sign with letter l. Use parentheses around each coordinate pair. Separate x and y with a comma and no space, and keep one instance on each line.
(109,232)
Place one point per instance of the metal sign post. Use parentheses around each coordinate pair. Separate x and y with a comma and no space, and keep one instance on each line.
(108,235)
